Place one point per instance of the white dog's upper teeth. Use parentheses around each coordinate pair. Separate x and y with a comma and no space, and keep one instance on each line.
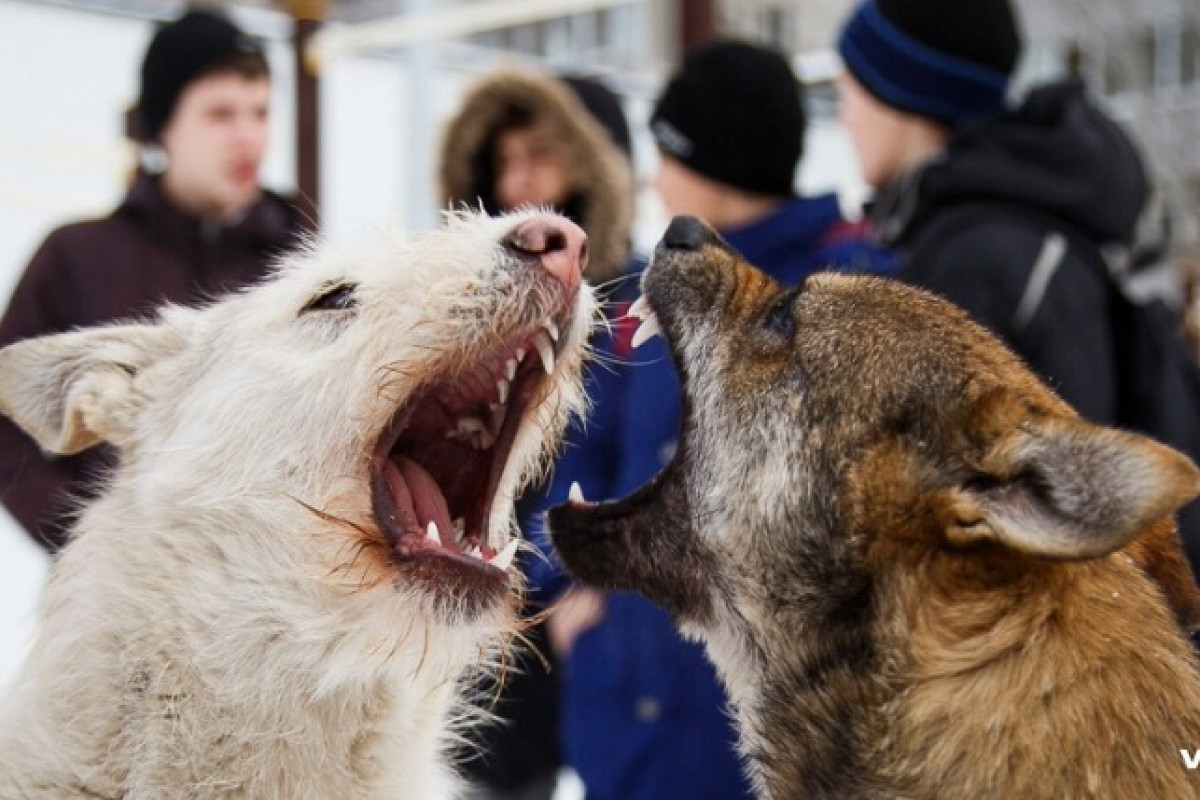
(545,349)
(551,328)
(473,431)
(502,390)
(510,368)
(575,493)
(647,330)
(503,559)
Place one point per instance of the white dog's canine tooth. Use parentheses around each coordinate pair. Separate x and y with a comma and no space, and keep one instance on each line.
(510,369)
(551,328)
(520,354)
(503,559)
(432,534)
(545,349)
(502,390)
(499,414)
(575,493)
(647,330)
(640,308)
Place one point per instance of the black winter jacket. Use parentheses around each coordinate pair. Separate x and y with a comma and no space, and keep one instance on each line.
(976,226)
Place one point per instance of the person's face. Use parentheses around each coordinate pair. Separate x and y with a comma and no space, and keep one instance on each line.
(683,191)
(215,140)
(875,130)
(530,170)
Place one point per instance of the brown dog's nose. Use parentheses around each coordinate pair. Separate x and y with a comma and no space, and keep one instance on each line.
(559,244)
(688,233)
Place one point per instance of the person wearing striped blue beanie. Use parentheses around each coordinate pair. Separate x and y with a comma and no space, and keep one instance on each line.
(915,70)
(1002,205)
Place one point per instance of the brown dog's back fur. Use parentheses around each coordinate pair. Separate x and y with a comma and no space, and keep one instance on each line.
(919,573)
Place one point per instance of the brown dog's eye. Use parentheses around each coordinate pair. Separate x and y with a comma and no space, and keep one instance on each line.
(338,298)
(781,319)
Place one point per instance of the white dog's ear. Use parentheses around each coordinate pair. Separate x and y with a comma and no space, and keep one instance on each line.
(71,391)
(1060,488)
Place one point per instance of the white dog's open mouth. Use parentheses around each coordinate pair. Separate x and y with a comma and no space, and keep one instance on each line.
(435,472)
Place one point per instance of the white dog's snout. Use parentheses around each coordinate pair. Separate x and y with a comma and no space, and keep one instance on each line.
(557,243)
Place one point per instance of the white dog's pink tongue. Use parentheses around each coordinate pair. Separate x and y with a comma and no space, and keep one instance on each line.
(428,502)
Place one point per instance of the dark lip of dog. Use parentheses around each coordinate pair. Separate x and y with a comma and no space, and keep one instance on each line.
(649,542)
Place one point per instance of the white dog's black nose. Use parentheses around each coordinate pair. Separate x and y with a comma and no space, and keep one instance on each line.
(688,233)
(559,244)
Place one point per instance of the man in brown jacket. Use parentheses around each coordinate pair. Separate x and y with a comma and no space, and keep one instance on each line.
(195,223)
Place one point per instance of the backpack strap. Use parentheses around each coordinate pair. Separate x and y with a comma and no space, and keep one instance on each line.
(1049,259)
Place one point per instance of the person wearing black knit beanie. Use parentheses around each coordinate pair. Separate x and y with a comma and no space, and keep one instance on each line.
(195,223)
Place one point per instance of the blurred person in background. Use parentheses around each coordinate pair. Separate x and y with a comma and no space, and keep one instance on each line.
(645,716)
(194,223)
(986,205)
(1022,214)
(562,142)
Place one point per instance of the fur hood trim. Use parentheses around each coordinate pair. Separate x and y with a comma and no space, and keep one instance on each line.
(603,172)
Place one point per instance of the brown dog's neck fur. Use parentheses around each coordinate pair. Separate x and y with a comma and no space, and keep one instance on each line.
(1008,689)
(971,673)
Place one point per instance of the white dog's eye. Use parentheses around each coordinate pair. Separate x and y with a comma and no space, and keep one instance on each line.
(337,298)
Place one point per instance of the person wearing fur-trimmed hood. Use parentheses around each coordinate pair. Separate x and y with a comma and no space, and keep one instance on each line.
(577,117)
(523,138)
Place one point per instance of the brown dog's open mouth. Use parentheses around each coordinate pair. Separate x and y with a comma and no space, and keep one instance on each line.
(435,471)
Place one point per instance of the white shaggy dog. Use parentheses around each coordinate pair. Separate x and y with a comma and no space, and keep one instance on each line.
(287,582)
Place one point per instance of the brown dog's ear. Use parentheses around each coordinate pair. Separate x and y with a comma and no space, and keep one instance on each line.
(1060,488)
(71,391)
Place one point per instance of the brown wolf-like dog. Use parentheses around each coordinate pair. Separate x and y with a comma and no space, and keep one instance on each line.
(919,572)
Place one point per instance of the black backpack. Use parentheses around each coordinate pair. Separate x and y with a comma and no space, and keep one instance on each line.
(1158,378)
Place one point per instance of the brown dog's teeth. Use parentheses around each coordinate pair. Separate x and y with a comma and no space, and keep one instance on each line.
(432,534)
(575,493)
(640,308)
(647,330)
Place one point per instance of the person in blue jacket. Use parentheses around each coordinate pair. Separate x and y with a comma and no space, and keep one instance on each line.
(644,715)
